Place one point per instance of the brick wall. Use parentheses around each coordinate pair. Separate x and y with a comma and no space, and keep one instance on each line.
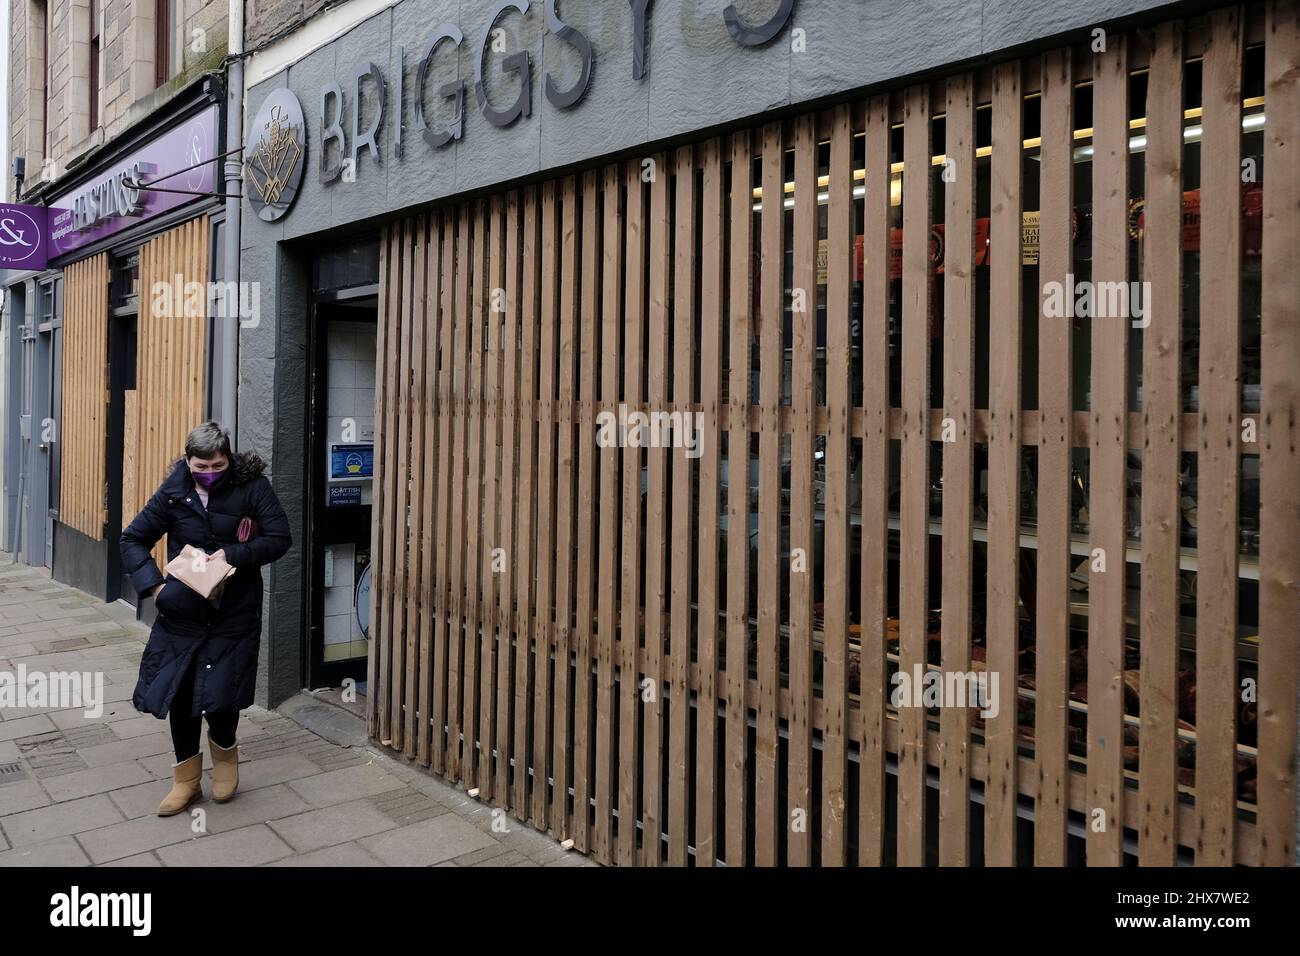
(126,76)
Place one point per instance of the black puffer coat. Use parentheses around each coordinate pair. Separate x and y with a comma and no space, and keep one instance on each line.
(225,636)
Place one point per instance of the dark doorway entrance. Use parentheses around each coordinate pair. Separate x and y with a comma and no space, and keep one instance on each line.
(341,436)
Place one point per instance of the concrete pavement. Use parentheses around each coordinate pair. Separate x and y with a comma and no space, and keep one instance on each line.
(82,791)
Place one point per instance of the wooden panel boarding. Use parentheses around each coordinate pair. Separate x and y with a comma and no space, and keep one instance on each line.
(84,409)
(557,681)
(171,358)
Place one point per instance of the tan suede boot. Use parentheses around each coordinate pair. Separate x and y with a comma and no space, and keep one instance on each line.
(225,771)
(186,786)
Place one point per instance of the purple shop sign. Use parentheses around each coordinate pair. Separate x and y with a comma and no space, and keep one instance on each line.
(23,238)
(106,204)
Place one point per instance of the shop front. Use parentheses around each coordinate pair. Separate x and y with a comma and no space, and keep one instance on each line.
(115,358)
(874,477)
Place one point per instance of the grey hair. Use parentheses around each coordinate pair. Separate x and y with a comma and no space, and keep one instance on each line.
(208,441)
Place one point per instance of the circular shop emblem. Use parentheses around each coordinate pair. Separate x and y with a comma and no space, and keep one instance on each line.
(275,155)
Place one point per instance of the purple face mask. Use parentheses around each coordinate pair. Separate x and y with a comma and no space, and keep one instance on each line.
(207,479)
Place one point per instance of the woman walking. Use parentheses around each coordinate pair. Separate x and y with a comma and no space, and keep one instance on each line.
(201,659)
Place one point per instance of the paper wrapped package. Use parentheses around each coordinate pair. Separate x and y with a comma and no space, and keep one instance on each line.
(199,572)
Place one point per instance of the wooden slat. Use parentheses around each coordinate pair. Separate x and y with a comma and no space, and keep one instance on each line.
(958,462)
(607,707)
(712,283)
(740,326)
(803,327)
(459,470)
(402,724)
(1004,464)
(766,783)
(441,598)
(434,455)
(474,559)
(875,485)
(1279,558)
(524,515)
(1108,465)
(564,488)
(1161,455)
(507,673)
(630,625)
(490,597)
(683,399)
(1217,482)
(1055,403)
(914,542)
(585,633)
(545,559)
(836,563)
(385,480)
(415,470)
(656,544)
(373,658)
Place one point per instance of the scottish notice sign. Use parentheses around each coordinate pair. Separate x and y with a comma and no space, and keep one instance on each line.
(24,238)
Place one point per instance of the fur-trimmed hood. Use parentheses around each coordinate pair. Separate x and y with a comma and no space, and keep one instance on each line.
(245,466)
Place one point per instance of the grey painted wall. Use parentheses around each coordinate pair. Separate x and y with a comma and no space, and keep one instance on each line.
(698,78)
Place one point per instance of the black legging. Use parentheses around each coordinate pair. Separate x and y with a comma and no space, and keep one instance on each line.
(186,729)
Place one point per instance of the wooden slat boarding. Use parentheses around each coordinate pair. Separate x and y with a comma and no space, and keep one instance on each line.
(473,496)
(1107,464)
(683,400)
(874,496)
(434,454)
(914,536)
(766,785)
(525,506)
(803,325)
(412,475)
(1161,451)
(545,559)
(487,433)
(1217,465)
(1004,464)
(712,285)
(656,509)
(739,500)
(958,462)
(171,360)
(377,715)
(489,564)
(565,488)
(507,673)
(1279,558)
(402,723)
(629,638)
(584,635)
(608,706)
(839,399)
(1055,448)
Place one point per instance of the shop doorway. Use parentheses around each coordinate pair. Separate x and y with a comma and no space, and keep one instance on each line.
(341,433)
(33,531)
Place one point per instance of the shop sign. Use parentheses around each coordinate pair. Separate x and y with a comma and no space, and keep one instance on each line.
(343,137)
(23,237)
(181,162)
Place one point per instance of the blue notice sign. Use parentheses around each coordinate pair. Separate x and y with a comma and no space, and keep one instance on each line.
(343,496)
(352,461)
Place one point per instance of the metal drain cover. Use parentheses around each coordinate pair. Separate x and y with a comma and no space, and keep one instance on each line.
(11,773)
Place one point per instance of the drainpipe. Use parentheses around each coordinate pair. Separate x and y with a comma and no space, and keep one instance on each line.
(234,209)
